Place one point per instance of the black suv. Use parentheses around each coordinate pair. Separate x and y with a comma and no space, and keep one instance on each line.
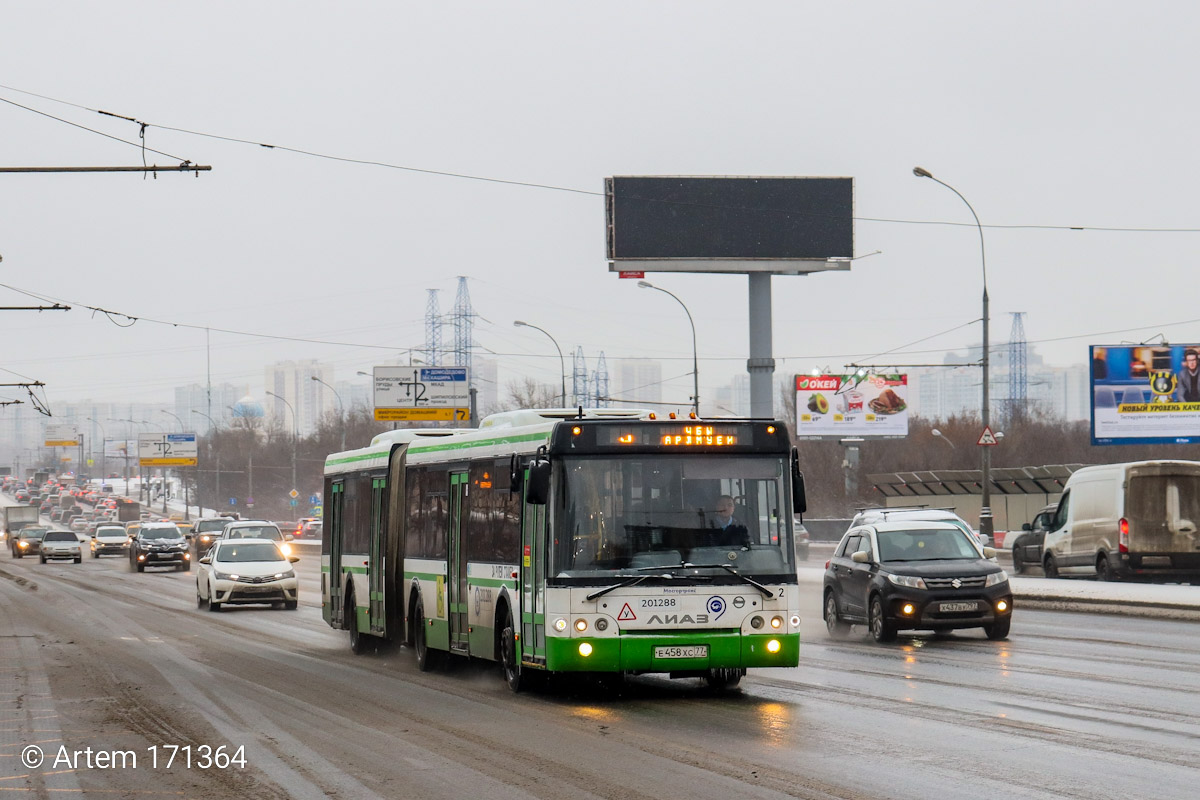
(1027,547)
(914,575)
(159,544)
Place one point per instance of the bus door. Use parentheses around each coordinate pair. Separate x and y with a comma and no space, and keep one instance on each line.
(533,614)
(456,565)
(378,561)
(332,610)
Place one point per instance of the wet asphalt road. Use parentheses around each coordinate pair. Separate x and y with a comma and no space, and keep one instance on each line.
(1073,705)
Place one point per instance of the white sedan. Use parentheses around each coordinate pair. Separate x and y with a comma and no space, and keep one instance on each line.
(61,544)
(240,571)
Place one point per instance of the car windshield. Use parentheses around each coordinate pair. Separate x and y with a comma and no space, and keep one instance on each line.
(160,533)
(206,525)
(925,544)
(33,533)
(256,532)
(619,515)
(251,551)
(59,536)
(110,530)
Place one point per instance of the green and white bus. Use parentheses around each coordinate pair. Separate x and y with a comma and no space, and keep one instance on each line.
(569,541)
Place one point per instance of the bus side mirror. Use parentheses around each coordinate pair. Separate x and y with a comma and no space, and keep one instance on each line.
(537,491)
(515,474)
(799,497)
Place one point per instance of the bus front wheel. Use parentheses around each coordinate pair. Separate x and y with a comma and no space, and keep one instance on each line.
(513,674)
(358,643)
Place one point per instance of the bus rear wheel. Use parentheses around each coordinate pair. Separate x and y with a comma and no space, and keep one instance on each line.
(358,641)
(426,659)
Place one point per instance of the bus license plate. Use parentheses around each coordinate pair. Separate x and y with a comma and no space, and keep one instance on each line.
(951,607)
(684,651)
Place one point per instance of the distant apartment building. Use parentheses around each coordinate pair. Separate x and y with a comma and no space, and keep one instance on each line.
(310,401)
(638,382)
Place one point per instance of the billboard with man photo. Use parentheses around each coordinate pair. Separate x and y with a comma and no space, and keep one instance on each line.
(1145,394)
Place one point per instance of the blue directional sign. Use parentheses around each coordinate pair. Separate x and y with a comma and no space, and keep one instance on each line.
(233,501)
(315,499)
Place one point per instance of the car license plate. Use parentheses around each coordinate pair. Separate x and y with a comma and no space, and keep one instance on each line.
(951,607)
(683,651)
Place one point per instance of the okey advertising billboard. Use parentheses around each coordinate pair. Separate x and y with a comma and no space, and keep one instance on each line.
(837,406)
(1145,394)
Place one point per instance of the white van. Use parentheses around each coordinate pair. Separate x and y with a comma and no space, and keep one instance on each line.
(1127,520)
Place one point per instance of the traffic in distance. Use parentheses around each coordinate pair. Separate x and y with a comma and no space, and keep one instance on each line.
(610,543)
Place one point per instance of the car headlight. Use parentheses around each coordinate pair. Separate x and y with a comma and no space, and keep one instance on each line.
(291,573)
(224,576)
(995,578)
(911,581)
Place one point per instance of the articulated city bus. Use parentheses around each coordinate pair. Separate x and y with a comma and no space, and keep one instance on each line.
(559,541)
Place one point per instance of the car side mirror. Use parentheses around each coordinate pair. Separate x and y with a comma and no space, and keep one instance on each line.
(989,552)
(287,537)
(294,559)
(1027,527)
(206,560)
(861,557)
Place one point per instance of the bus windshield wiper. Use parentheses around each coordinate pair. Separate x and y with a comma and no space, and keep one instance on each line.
(766,592)
(629,580)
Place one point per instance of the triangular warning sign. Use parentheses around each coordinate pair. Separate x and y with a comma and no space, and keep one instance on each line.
(626,614)
(987,437)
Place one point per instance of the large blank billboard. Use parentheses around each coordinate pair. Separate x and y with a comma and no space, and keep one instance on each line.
(1145,394)
(729,219)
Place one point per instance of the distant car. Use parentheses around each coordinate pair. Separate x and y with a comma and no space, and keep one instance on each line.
(28,542)
(802,541)
(238,571)
(872,515)
(109,539)
(258,529)
(78,523)
(311,529)
(45,507)
(304,527)
(207,531)
(22,495)
(914,575)
(61,544)
(159,544)
(1027,546)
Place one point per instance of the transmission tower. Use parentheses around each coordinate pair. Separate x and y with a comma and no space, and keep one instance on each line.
(600,382)
(579,379)
(464,322)
(1018,366)
(433,329)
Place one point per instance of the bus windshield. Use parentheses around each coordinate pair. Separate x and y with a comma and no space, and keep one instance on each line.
(637,512)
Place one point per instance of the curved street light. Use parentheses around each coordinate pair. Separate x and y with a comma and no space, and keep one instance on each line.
(295,435)
(985,513)
(942,436)
(695,357)
(562,363)
(341,409)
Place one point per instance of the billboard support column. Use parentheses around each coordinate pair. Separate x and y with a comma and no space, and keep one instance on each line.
(761,365)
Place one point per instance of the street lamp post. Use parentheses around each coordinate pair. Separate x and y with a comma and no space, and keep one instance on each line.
(103,447)
(562,363)
(341,409)
(295,435)
(942,436)
(695,357)
(217,453)
(985,513)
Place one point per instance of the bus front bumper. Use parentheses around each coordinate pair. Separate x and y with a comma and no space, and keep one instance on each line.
(672,652)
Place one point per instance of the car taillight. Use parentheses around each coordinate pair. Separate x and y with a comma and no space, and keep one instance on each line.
(1123,538)
(826,565)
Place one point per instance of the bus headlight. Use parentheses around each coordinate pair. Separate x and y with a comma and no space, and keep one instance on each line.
(581,625)
(602,624)
(773,646)
(560,624)
(776,622)
(756,622)
(585,649)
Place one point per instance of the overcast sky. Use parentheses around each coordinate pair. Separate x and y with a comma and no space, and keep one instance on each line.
(1041,114)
